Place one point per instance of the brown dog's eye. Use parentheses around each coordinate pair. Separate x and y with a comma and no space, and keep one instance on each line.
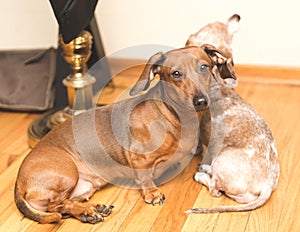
(203,68)
(177,75)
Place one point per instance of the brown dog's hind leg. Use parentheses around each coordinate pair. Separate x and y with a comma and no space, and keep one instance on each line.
(75,205)
(204,177)
(85,212)
(50,187)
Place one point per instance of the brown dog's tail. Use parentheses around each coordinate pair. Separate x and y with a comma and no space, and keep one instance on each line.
(30,212)
(261,200)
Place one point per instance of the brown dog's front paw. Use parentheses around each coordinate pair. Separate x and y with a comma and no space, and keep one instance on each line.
(153,196)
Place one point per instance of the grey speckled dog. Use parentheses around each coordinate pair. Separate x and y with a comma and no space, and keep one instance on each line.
(245,165)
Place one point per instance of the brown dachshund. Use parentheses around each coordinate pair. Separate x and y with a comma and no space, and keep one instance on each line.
(241,158)
(138,138)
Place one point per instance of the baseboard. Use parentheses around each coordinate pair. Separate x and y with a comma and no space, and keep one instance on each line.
(285,75)
(252,73)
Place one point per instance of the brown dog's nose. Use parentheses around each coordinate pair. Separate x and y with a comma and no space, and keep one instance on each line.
(200,103)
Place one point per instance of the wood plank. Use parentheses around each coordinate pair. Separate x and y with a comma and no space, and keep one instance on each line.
(182,197)
(13,137)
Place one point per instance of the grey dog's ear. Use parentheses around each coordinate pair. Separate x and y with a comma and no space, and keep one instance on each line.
(233,24)
(223,69)
(148,74)
(226,73)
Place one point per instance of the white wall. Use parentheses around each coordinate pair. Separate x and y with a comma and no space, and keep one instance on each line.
(27,24)
(269,33)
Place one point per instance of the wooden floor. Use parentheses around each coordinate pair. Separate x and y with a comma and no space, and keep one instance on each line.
(274,92)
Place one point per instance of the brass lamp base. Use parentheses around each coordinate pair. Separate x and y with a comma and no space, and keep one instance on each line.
(79,88)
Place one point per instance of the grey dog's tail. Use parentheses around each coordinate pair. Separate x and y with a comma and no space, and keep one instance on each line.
(29,212)
(261,200)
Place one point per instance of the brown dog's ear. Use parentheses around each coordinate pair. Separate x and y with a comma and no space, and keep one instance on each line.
(223,71)
(148,74)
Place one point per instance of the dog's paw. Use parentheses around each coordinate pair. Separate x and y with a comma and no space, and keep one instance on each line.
(104,210)
(96,214)
(199,176)
(205,168)
(91,218)
(153,196)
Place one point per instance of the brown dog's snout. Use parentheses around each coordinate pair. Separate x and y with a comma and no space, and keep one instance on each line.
(200,102)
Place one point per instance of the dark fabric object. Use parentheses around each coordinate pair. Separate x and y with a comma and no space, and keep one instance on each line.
(26,79)
(73,16)
(63,69)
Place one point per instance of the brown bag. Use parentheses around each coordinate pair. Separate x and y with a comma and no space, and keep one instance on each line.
(26,79)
